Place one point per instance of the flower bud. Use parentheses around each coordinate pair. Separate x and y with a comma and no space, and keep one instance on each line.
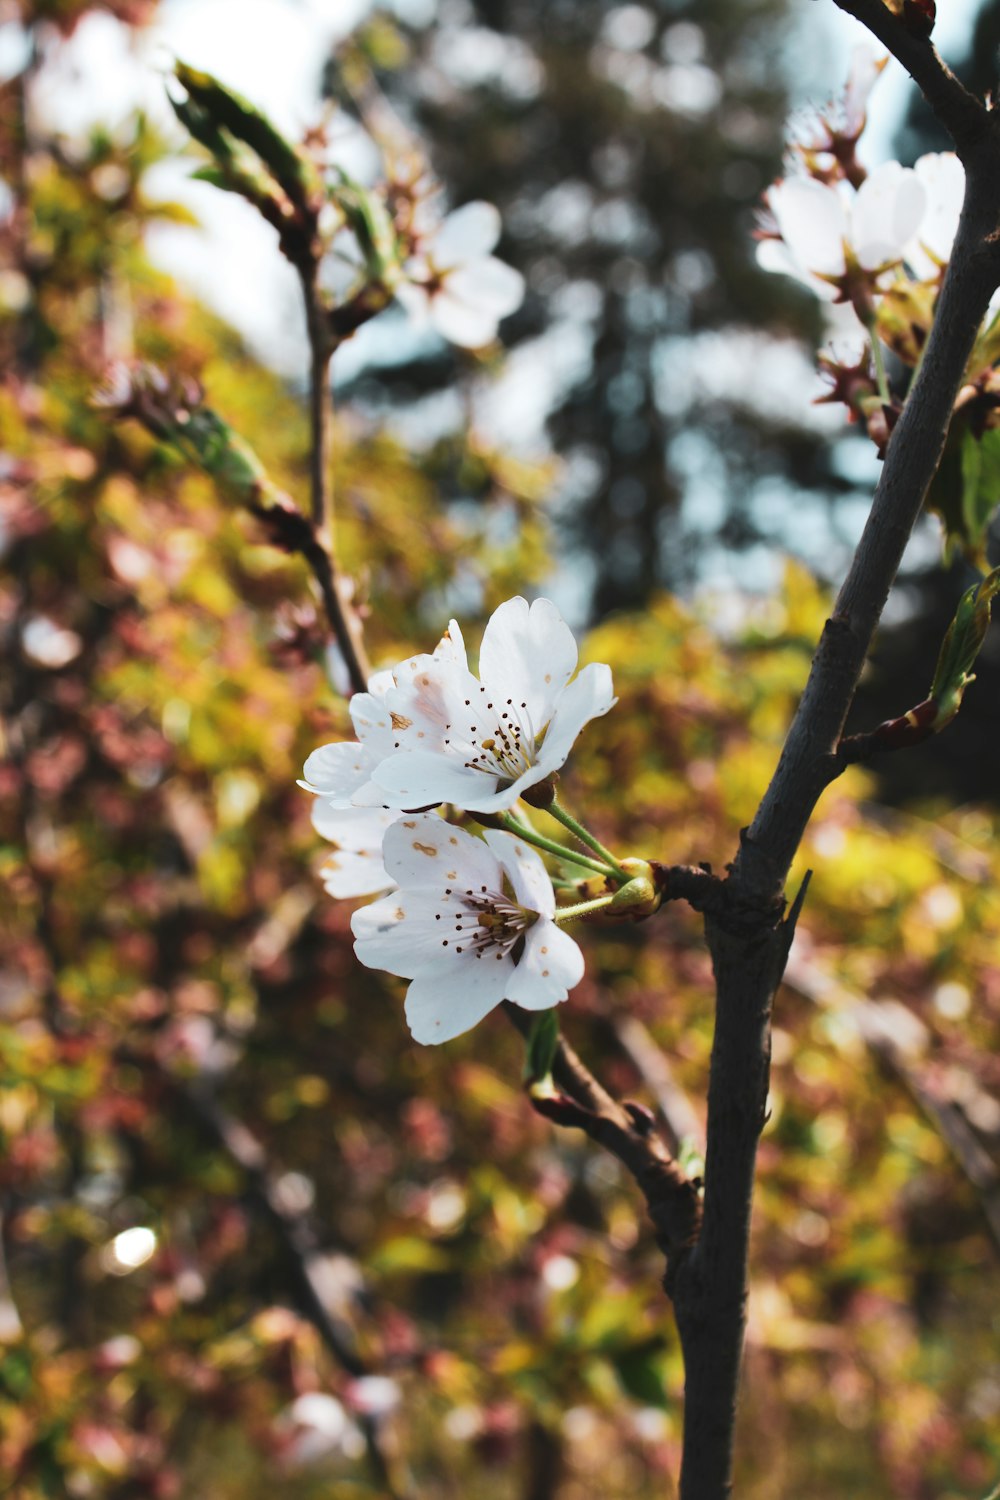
(639,896)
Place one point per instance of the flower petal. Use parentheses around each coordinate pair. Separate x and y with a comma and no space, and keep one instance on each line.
(943,177)
(488,284)
(430,854)
(338,771)
(548,969)
(812,222)
(466,234)
(886,213)
(419,778)
(589,696)
(528,654)
(400,934)
(442,1006)
(525,870)
(346,874)
(370,718)
(461,322)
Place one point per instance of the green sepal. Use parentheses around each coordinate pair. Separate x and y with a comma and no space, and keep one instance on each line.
(543,1039)
(960,648)
(297,176)
(368,217)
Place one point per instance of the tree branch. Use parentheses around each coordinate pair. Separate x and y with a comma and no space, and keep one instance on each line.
(749,945)
(671,1196)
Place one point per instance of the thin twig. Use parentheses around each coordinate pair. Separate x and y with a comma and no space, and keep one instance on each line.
(320,412)
(680,1121)
(671,1196)
(304,1265)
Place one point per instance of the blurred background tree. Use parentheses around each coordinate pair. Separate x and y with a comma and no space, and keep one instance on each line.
(252,1235)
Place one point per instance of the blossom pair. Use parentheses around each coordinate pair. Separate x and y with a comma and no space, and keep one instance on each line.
(850,235)
(468,920)
(430,731)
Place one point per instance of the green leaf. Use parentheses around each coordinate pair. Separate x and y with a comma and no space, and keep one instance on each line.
(965,491)
(960,648)
(223,107)
(980,489)
(640,1372)
(542,1043)
(372,224)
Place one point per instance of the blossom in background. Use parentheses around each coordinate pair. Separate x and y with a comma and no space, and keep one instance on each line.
(943,178)
(470,925)
(865,70)
(481,743)
(821,228)
(355,868)
(827,144)
(454,283)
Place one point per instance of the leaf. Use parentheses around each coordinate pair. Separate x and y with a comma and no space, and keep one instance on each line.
(223,107)
(542,1043)
(640,1372)
(965,491)
(960,648)
(372,224)
(980,489)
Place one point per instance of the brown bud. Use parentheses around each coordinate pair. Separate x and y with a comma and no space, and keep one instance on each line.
(919,16)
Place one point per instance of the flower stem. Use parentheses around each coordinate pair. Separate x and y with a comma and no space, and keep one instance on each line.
(879,363)
(557,811)
(551,846)
(581,909)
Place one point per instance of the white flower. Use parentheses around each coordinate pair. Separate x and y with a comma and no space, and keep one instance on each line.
(355,868)
(456,284)
(943,179)
(821,225)
(341,772)
(470,925)
(480,743)
(865,71)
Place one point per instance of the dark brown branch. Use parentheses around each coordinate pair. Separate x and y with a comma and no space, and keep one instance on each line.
(749,946)
(321,446)
(289,529)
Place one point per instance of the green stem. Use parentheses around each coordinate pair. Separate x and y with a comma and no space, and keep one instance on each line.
(578,831)
(551,846)
(879,362)
(581,909)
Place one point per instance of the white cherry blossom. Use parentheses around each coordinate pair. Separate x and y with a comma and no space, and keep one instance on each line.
(355,867)
(454,283)
(943,179)
(471,924)
(481,743)
(820,225)
(865,70)
(341,772)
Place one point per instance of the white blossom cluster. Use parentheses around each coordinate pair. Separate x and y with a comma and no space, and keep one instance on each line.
(468,920)
(852,236)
